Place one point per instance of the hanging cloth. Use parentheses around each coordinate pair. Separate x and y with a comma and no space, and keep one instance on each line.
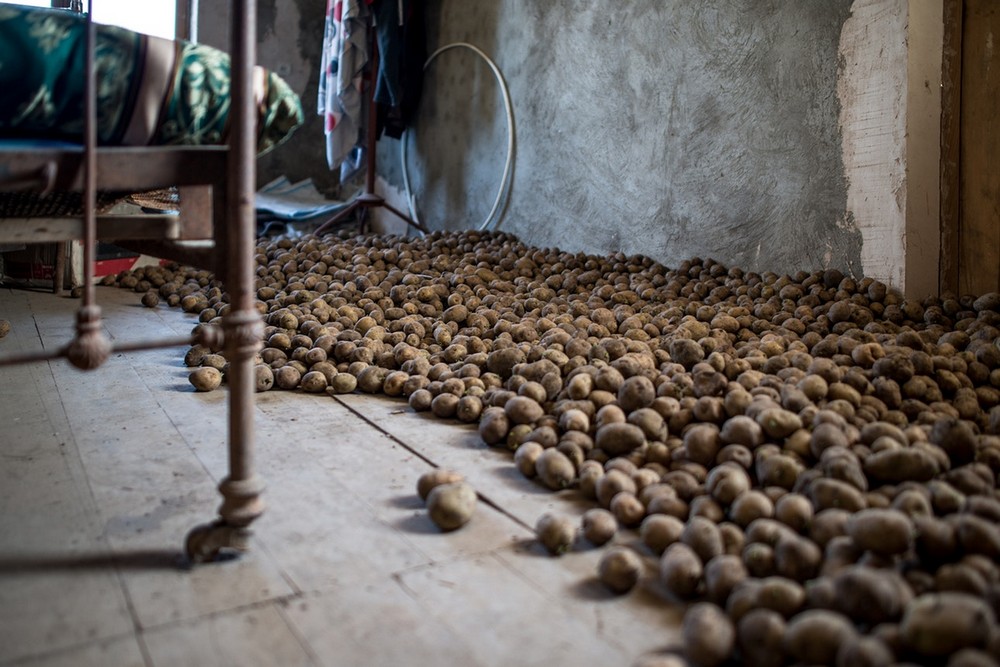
(402,44)
(345,54)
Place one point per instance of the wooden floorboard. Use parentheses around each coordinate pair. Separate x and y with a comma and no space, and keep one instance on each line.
(104,472)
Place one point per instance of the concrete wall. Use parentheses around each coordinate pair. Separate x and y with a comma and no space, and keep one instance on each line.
(777,135)
(672,129)
(768,134)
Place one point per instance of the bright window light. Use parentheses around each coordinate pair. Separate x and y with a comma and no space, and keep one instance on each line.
(153,17)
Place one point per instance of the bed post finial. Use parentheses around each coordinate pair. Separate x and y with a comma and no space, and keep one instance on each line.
(91,347)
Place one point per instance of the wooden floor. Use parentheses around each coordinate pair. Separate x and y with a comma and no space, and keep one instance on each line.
(103,473)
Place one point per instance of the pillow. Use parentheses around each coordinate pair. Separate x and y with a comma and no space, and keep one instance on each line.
(149,90)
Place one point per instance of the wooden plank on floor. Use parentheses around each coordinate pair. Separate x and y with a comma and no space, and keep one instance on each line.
(257,637)
(377,623)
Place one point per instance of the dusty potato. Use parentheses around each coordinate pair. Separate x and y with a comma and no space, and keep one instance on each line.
(598,526)
(795,511)
(882,531)
(758,559)
(289,377)
(797,557)
(704,537)
(206,378)
(619,569)
(420,400)
(523,410)
(864,652)
(681,570)
(618,439)
(263,377)
(525,457)
(759,635)
(938,624)
(813,637)
(612,483)
(782,595)
(627,508)
(722,574)
(313,382)
(433,478)
(870,595)
(451,505)
(554,469)
(494,425)
(726,482)
(4,328)
(709,636)
(555,532)
(749,506)
(659,531)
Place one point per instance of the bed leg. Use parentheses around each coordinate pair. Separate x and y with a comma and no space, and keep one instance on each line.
(241,490)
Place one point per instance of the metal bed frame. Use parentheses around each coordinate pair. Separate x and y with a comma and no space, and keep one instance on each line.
(215,230)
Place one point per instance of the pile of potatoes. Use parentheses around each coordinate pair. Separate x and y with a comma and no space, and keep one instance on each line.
(808,461)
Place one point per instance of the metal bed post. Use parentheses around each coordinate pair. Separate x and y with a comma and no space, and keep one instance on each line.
(243,325)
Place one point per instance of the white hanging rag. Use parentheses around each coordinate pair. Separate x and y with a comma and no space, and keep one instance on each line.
(345,54)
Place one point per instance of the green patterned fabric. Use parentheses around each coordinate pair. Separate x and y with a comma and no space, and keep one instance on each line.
(42,75)
(42,83)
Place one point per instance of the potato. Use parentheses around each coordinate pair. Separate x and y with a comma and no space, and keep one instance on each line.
(627,508)
(828,493)
(797,558)
(313,382)
(726,482)
(619,569)
(554,469)
(702,443)
(681,570)
(899,465)
(451,505)
(758,559)
(659,531)
(420,400)
(619,439)
(938,624)
(864,652)
(494,425)
(205,378)
(709,636)
(886,532)
(722,574)
(526,456)
(870,596)
(555,532)
(813,637)
(636,392)
(704,537)
(749,506)
(4,328)
(590,472)
(794,510)
(759,635)
(523,410)
(598,526)
(782,595)
(778,470)
(433,478)
(611,484)
(976,535)
(263,377)
(935,539)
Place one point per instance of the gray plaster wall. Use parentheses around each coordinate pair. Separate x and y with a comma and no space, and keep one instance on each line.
(670,128)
